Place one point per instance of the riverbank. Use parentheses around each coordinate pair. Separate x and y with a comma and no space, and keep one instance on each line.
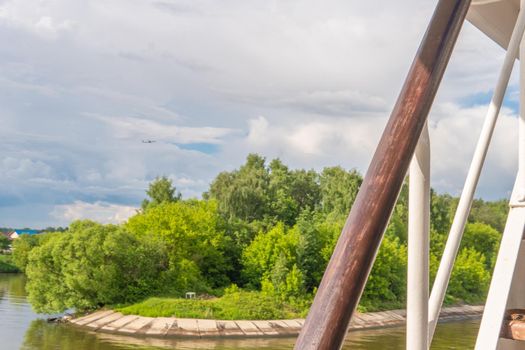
(110,321)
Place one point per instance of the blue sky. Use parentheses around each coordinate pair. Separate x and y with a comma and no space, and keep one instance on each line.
(83,83)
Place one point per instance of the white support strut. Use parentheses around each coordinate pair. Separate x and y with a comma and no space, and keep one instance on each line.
(418,245)
(521,125)
(465,202)
(489,331)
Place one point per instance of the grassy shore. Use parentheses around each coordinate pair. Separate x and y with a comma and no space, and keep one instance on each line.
(7,265)
(235,306)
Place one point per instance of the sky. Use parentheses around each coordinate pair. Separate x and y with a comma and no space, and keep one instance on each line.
(83,83)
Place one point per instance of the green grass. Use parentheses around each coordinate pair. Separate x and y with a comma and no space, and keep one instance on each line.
(240,305)
(7,265)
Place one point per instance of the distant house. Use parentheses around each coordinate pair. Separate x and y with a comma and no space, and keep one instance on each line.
(17,233)
(6,234)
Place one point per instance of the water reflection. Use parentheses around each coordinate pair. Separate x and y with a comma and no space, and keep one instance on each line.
(44,336)
(21,328)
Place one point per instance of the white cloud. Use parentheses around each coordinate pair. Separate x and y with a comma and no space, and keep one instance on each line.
(140,128)
(24,168)
(83,82)
(34,17)
(98,211)
(454,134)
(351,142)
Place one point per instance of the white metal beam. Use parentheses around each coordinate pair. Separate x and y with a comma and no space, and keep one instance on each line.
(458,225)
(500,285)
(418,245)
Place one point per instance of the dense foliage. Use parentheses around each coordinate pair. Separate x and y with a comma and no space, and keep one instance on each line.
(5,243)
(160,191)
(22,246)
(195,239)
(7,265)
(93,265)
(263,228)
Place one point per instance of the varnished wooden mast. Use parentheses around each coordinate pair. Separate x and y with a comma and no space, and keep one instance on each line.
(345,277)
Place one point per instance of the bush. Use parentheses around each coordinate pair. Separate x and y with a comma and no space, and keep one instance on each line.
(470,279)
(22,246)
(386,286)
(93,265)
(484,239)
(260,257)
(7,265)
(193,233)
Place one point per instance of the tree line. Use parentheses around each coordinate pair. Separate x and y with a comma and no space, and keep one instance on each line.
(263,228)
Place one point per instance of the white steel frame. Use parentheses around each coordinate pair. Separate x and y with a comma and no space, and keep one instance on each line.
(418,245)
(422,312)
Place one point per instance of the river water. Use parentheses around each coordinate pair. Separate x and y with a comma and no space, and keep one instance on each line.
(21,328)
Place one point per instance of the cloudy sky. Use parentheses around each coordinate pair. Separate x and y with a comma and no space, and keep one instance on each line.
(83,82)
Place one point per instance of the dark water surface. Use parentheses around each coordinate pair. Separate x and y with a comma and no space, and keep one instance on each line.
(21,328)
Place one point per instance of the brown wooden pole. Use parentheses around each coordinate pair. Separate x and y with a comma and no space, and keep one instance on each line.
(345,277)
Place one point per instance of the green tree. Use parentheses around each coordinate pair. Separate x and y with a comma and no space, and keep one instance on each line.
(441,214)
(161,190)
(470,278)
(266,194)
(261,256)
(22,246)
(386,285)
(5,243)
(490,213)
(338,190)
(243,193)
(193,233)
(484,239)
(285,283)
(291,192)
(93,265)
(312,240)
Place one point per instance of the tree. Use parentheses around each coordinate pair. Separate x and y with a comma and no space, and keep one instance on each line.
(22,246)
(194,236)
(93,265)
(243,193)
(268,194)
(291,192)
(338,190)
(5,243)
(161,190)
(490,213)
(441,212)
(310,258)
(55,229)
(386,285)
(470,279)
(261,256)
(282,206)
(484,239)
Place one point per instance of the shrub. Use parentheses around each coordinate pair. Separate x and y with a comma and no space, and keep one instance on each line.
(7,265)
(93,265)
(386,286)
(261,256)
(22,246)
(470,279)
(192,231)
(484,239)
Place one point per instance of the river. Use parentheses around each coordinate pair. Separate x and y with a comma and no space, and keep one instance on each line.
(21,328)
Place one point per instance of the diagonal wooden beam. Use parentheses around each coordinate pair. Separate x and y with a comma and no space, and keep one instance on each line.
(345,277)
